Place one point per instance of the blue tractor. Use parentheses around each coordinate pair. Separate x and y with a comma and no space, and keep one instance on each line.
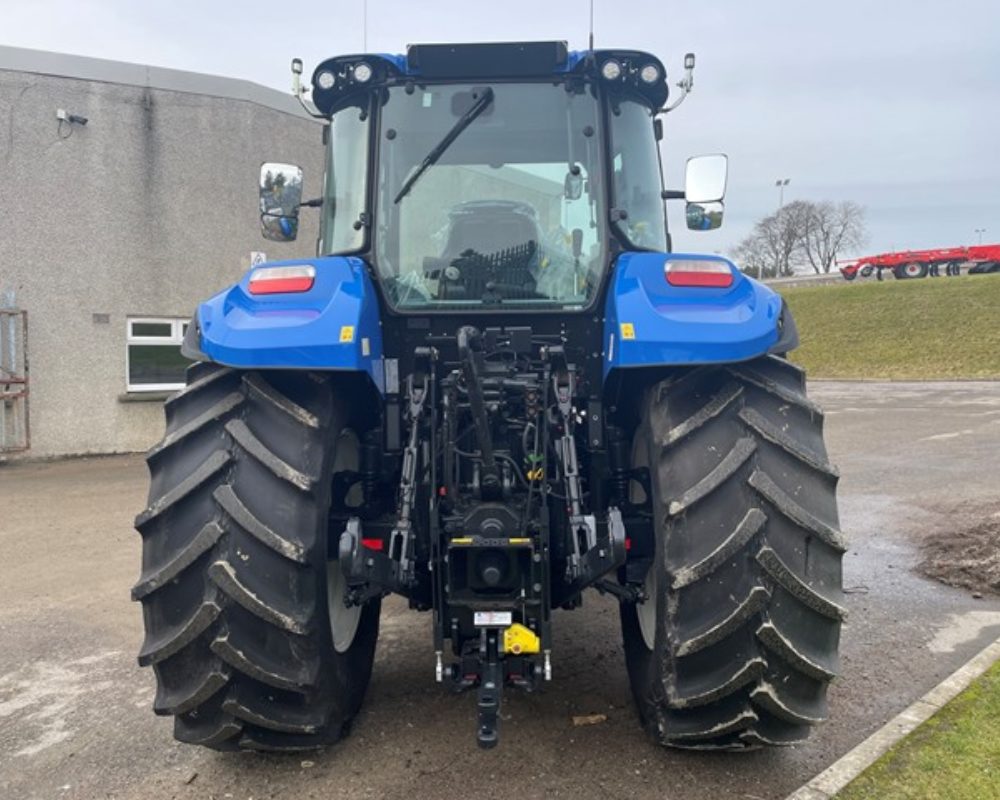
(494,388)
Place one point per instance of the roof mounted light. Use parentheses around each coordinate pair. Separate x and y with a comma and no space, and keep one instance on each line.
(325,80)
(280,280)
(611,70)
(362,72)
(705,272)
(650,73)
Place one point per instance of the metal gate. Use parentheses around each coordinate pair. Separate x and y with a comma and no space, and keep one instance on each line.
(15,432)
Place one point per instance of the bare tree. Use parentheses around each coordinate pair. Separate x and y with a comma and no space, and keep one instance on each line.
(775,240)
(829,228)
(753,258)
(800,233)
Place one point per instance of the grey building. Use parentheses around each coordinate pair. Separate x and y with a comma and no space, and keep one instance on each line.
(112,231)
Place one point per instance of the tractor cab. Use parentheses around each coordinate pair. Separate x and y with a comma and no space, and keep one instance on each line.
(473,176)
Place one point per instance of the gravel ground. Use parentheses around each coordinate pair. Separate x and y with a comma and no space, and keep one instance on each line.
(75,718)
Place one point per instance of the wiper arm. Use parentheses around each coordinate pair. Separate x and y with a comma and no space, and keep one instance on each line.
(431,158)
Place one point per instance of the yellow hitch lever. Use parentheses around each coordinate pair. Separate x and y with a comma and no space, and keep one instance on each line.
(517,640)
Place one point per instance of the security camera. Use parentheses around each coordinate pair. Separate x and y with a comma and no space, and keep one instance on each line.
(64,116)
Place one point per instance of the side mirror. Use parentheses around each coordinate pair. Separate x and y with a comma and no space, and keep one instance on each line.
(705,179)
(280,197)
(704,216)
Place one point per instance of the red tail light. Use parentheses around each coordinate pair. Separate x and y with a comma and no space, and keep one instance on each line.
(279,280)
(708,272)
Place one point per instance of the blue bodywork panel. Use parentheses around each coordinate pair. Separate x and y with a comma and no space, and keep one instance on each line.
(649,322)
(333,326)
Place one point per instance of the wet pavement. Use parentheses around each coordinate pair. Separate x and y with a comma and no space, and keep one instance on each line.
(75,718)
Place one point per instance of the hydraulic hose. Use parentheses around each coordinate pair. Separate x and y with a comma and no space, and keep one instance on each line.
(468,339)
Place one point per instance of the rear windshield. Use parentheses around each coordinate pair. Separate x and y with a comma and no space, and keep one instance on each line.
(508,215)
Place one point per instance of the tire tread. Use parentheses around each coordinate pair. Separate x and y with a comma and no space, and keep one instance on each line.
(233,592)
(746,638)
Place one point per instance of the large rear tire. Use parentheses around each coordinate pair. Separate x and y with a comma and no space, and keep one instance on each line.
(737,643)
(236,598)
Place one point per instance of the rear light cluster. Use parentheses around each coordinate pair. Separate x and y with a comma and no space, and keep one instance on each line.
(701,272)
(279,280)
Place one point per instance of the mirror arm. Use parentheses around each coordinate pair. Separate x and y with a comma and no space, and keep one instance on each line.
(673,194)
(685,84)
(314,203)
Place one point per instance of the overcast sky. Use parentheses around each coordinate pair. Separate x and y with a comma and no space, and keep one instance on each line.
(893,104)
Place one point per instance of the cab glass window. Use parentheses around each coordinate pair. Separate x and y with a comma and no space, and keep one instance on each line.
(636,182)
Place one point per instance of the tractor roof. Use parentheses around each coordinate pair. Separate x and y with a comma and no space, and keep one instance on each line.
(491,60)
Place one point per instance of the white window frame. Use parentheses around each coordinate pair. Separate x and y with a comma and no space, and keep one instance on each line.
(178,327)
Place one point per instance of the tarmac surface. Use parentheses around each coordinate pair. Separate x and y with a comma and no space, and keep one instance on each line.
(75,710)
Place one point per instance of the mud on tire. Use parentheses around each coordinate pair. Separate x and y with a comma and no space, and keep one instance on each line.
(746,580)
(234,565)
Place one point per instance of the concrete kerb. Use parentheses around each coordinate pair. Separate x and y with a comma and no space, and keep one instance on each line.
(835,777)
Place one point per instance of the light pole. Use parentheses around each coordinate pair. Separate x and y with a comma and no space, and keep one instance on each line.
(781,183)
(980,231)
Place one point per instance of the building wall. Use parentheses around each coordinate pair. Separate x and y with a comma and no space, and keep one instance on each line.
(145,211)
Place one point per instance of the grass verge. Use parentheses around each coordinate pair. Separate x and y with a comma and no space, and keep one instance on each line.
(955,755)
(935,328)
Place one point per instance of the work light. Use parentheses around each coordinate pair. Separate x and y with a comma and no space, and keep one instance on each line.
(611,70)
(650,73)
(362,73)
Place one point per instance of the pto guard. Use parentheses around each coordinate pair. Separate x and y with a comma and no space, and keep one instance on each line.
(648,322)
(332,326)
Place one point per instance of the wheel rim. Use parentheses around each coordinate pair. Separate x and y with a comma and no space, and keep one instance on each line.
(645,612)
(344,620)
(912,270)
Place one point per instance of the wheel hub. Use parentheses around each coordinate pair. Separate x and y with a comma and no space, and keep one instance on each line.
(344,619)
(646,610)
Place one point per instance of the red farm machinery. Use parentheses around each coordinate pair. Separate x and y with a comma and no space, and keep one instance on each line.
(908,264)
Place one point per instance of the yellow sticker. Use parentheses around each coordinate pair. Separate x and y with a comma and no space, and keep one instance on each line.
(628,330)
(346,333)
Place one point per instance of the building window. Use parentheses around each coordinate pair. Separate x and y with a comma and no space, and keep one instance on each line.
(154,362)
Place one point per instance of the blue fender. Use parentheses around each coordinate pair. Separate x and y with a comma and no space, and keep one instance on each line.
(648,322)
(332,326)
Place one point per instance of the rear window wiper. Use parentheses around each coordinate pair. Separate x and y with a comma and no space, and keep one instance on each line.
(477,108)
